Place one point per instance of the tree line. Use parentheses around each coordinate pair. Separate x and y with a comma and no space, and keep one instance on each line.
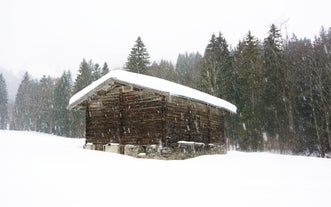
(41,105)
(281,86)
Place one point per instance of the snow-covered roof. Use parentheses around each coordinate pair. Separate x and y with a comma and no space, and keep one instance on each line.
(149,82)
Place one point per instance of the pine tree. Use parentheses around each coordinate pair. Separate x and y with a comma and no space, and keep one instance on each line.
(138,60)
(225,70)
(275,95)
(298,55)
(84,78)
(209,68)
(105,69)
(249,67)
(216,68)
(3,103)
(164,70)
(23,116)
(44,107)
(187,67)
(62,94)
(96,71)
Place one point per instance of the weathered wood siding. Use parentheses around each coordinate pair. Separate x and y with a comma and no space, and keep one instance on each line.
(125,115)
(189,120)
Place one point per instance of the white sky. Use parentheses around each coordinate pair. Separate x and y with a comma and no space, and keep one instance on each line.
(47,37)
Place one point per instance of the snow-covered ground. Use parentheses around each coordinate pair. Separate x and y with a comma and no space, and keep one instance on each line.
(40,170)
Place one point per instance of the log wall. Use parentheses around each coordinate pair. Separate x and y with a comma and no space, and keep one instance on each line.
(132,116)
(126,116)
(193,121)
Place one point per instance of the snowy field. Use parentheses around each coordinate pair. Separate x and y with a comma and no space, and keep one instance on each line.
(40,170)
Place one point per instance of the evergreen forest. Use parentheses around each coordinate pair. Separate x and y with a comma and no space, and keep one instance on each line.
(280,85)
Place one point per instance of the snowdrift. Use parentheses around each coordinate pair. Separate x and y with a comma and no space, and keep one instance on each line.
(41,170)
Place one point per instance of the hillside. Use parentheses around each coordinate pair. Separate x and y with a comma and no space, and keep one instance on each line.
(41,170)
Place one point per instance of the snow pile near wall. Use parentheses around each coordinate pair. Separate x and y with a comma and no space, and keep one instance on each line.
(154,83)
(39,170)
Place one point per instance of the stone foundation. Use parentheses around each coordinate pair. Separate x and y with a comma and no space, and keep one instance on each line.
(181,150)
(112,147)
(89,146)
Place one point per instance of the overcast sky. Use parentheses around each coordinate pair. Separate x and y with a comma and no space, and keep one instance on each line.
(47,37)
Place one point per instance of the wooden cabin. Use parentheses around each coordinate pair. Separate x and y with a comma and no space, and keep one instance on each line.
(140,115)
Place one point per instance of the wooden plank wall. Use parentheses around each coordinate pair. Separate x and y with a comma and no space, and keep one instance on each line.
(216,119)
(142,118)
(103,113)
(125,115)
(190,120)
